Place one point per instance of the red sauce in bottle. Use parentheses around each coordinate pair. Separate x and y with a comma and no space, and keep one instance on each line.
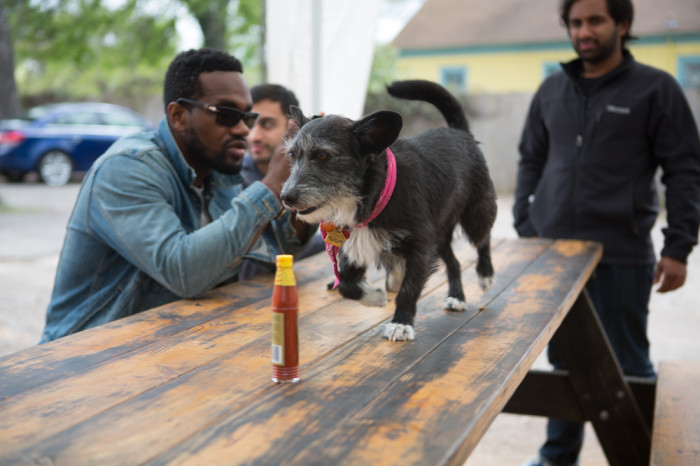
(285,323)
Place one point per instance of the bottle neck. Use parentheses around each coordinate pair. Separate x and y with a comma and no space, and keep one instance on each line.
(285,277)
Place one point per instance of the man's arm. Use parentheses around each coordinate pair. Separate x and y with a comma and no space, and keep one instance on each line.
(676,146)
(137,216)
(533,156)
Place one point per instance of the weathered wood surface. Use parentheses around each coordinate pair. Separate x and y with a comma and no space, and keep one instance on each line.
(190,382)
(676,435)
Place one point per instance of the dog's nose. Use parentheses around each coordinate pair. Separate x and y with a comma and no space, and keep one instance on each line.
(289,197)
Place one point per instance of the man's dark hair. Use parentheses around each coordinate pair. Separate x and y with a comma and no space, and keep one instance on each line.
(619,11)
(182,77)
(275,93)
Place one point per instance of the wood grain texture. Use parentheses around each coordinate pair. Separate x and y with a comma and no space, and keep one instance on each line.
(54,360)
(675,438)
(360,403)
(194,386)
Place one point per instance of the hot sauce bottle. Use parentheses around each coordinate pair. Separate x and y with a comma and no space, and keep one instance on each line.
(285,323)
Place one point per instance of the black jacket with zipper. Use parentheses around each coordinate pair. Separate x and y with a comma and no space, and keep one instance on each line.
(588,162)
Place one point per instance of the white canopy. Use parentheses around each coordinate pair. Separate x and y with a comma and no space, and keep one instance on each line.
(322,50)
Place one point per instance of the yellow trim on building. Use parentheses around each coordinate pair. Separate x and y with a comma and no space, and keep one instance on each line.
(523,70)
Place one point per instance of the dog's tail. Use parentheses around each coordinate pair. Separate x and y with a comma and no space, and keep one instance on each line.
(433,93)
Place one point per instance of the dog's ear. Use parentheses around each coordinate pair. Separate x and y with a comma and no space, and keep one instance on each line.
(377,131)
(298,116)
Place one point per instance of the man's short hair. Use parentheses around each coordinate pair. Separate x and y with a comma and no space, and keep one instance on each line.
(275,93)
(619,11)
(182,77)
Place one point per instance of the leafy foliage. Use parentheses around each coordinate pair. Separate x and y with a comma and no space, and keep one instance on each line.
(84,49)
(232,25)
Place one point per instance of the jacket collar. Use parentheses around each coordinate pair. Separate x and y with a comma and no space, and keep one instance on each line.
(574,68)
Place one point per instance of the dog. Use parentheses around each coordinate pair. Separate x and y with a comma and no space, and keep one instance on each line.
(341,176)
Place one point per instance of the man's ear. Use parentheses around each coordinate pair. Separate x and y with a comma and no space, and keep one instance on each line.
(377,131)
(178,117)
(623,27)
(298,116)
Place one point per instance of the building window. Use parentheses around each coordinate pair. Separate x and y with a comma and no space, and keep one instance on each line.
(454,78)
(689,72)
(550,67)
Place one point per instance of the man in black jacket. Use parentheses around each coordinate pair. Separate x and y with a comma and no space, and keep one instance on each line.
(594,137)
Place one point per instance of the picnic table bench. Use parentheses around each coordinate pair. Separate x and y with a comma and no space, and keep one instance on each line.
(189,382)
(676,432)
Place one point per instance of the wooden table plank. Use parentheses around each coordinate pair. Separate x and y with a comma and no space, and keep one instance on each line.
(54,360)
(453,395)
(42,411)
(170,412)
(283,425)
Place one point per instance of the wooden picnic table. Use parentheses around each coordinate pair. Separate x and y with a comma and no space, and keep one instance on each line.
(189,382)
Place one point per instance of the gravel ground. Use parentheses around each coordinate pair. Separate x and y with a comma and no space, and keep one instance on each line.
(32,226)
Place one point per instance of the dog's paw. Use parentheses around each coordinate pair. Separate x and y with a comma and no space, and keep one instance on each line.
(372,296)
(399,332)
(486,282)
(454,304)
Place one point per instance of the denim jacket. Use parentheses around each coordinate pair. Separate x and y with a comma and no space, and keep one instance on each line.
(134,240)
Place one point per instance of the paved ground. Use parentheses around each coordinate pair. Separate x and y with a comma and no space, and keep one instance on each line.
(32,225)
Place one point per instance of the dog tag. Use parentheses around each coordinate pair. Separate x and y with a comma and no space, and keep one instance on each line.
(337,237)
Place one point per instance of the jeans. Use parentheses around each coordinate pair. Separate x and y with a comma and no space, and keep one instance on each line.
(620,295)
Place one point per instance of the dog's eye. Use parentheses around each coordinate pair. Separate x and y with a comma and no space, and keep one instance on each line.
(291,155)
(322,157)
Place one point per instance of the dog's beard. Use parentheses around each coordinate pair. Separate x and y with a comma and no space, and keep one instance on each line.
(338,210)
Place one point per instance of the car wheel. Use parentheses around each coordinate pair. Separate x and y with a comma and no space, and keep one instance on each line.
(55,168)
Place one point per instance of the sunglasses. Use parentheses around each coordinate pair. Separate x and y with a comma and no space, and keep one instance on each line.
(225,116)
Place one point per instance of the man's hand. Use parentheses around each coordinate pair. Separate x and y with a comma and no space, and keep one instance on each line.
(278,170)
(670,273)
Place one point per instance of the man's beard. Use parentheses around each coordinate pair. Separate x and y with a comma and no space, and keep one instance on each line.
(216,161)
(269,152)
(601,52)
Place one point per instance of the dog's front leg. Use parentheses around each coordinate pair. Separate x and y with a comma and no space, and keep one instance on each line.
(354,286)
(416,272)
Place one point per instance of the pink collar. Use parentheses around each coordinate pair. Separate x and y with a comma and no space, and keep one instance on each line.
(388,190)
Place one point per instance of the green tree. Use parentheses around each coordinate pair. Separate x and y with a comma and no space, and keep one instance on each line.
(237,26)
(83,49)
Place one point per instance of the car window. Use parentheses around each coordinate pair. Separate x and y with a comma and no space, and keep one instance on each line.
(78,118)
(36,112)
(121,119)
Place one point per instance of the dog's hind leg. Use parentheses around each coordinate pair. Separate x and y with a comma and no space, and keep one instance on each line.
(455,300)
(484,266)
(477,223)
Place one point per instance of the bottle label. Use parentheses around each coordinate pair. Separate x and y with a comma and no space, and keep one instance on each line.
(278,338)
(285,277)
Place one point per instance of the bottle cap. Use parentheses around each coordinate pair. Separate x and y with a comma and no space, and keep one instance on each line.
(285,260)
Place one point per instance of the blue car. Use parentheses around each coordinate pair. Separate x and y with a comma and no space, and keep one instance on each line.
(58,140)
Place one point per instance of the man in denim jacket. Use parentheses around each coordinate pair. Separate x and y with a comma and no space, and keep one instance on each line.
(163,215)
